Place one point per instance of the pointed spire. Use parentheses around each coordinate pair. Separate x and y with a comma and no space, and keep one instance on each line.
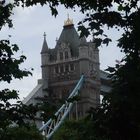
(83,40)
(68,21)
(45,45)
(44,36)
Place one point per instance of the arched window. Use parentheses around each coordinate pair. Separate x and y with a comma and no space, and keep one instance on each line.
(61,55)
(66,55)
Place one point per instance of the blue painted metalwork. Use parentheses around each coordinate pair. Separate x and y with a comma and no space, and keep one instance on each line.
(53,124)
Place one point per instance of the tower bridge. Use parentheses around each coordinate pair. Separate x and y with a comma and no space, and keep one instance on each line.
(72,60)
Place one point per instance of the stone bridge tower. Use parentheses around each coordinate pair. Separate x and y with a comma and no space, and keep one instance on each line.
(63,65)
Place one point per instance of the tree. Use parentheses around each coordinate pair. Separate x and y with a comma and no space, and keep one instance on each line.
(22,133)
(75,130)
(13,117)
(118,117)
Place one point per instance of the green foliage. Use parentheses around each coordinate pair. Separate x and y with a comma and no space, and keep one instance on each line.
(77,130)
(118,117)
(20,133)
(5,13)
(13,116)
(10,65)
(70,130)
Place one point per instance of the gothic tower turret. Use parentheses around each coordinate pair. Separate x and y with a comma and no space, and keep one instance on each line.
(62,67)
(44,62)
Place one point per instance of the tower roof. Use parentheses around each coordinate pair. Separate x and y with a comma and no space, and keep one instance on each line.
(45,45)
(69,35)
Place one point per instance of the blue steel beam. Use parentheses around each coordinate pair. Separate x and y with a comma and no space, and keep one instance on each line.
(53,124)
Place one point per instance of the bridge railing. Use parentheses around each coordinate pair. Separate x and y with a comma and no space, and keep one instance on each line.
(54,123)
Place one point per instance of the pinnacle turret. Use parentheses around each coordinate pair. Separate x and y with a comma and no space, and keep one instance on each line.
(83,40)
(45,45)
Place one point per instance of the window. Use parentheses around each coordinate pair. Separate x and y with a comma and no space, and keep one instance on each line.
(61,69)
(72,67)
(56,69)
(67,68)
(66,55)
(61,56)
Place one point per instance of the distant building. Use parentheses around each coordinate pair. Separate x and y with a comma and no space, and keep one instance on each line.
(62,67)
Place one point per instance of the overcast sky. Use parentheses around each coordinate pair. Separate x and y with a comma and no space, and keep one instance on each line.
(29,26)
